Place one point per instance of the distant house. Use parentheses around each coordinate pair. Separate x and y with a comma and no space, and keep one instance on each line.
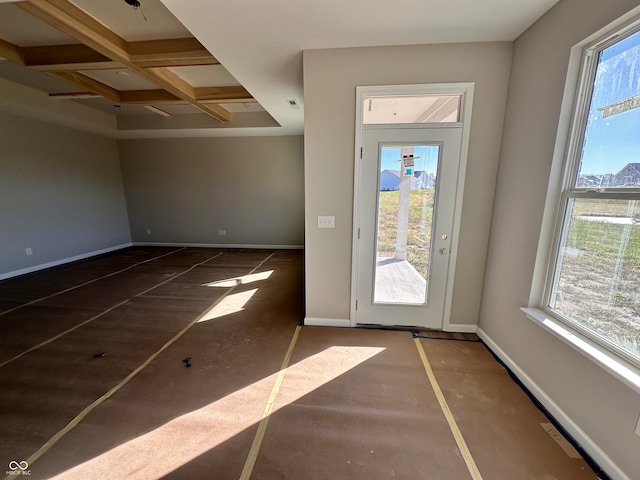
(390,180)
(586,181)
(426,180)
(629,176)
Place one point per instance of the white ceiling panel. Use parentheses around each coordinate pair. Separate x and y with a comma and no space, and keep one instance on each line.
(206,76)
(151,21)
(179,109)
(120,79)
(24,30)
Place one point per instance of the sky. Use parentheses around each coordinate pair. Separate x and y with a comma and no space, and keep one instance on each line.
(428,158)
(612,142)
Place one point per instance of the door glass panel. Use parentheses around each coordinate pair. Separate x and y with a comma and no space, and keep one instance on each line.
(406,196)
(411,109)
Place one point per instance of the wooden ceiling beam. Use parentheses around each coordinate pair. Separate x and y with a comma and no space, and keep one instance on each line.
(148,97)
(89,84)
(178,62)
(170,53)
(233,94)
(168,78)
(208,95)
(213,110)
(11,52)
(179,52)
(68,18)
(66,58)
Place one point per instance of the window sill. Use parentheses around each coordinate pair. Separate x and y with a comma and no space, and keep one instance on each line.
(618,367)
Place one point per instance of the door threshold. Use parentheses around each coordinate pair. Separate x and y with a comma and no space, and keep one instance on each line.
(402,328)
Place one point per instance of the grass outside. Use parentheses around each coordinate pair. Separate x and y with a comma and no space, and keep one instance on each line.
(419,235)
(599,281)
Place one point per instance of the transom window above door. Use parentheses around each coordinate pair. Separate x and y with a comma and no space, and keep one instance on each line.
(411,109)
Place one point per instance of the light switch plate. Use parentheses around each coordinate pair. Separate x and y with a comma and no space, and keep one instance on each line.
(326,221)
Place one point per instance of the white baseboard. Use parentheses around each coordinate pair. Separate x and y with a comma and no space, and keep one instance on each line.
(460,328)
(62,261)
(346,323)
(218,245)
(327,322)
(572,428)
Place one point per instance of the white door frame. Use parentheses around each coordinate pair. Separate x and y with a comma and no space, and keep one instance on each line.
(362,93)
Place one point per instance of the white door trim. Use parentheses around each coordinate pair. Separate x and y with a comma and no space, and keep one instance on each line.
(464,89)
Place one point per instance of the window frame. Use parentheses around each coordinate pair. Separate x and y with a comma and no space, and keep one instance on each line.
(562,190)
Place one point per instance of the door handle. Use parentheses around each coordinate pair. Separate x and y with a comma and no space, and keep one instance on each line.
(444,251)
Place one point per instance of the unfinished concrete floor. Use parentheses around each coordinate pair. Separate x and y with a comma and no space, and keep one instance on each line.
(96,382)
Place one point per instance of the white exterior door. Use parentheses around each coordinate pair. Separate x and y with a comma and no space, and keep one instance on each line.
(406,206)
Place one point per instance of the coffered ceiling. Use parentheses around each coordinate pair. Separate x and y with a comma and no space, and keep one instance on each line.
(212,67)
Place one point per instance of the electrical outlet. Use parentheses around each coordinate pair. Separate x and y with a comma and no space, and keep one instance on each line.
(637,430)
(326,221)
(29,251)
(222,233)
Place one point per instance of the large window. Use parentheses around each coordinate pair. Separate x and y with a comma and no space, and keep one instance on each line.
(594,281)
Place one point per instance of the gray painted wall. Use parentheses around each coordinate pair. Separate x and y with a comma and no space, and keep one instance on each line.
(61,194)
(186,190)
(602,407)
(330,78)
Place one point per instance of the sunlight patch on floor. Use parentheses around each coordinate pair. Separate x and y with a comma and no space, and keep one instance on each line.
(242,280)
(165,449)
(230,304)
